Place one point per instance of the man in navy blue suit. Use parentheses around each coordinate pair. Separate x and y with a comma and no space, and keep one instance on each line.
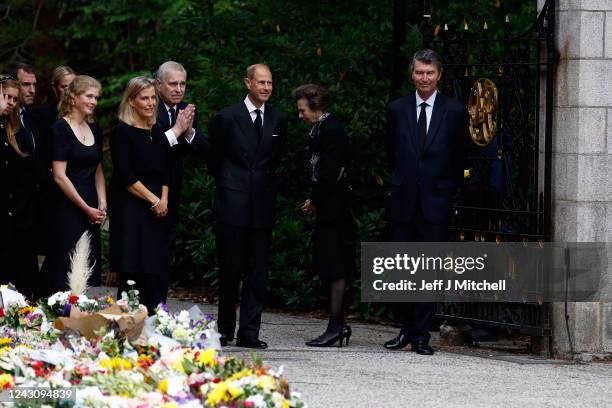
(426,140)
(179,121)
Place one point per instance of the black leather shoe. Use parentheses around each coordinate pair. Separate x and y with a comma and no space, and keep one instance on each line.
(421,347)
(251,342)
(397,343)
(224,339)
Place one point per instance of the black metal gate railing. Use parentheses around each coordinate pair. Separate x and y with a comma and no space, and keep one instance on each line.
(507,196)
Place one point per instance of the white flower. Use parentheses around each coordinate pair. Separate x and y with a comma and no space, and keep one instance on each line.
(257,400)
(131,282)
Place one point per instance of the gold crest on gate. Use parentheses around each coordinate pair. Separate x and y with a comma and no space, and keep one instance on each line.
(482,107)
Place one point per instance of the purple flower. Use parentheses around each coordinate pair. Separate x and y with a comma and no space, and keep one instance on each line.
(163,306)
(66,310)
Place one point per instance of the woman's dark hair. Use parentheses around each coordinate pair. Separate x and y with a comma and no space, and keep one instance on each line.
(315,95)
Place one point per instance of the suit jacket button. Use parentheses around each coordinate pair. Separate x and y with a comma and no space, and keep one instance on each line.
(10,214)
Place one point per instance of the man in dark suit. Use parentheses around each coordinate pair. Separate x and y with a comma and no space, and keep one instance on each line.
(179,121)
(247,141)
(427,137)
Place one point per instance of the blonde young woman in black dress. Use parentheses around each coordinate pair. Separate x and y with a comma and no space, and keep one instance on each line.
(79,199)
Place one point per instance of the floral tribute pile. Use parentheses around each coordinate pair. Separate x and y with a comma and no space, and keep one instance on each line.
(174,362)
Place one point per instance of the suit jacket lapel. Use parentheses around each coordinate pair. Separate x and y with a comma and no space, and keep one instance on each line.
(412,122)
(162,116)
(268,129)
(439,110)
(248,129)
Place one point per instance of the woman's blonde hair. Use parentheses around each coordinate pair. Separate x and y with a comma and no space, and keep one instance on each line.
(133,88)
(59,73)
(13,121)
(79,86)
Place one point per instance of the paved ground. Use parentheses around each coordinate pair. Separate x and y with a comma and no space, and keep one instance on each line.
(366,375)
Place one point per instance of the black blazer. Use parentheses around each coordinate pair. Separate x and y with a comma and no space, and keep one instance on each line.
(433,173)
(198,147)
(245,170)
(330,169)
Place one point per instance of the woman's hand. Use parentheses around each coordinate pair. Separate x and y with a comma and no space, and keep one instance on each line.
(102,206)
(308,207)
(161,208)
(95,215)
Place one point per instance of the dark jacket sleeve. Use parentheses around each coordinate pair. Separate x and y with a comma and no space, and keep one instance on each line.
(216,139)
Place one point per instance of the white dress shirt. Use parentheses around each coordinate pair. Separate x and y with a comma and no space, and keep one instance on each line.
(428,109)
(172,138)
(252,108)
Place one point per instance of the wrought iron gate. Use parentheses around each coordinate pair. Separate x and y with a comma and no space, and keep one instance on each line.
(507,196)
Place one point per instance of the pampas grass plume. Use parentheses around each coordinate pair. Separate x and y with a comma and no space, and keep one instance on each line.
(80,271)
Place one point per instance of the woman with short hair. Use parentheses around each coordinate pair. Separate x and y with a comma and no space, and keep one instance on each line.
(18,262)
(139,194)
(79,198)
(330,202)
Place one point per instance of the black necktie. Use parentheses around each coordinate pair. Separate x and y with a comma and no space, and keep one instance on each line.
(422,124)
(172,116)
(258,125)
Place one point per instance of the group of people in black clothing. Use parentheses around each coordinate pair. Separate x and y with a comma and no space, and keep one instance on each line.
(51,170)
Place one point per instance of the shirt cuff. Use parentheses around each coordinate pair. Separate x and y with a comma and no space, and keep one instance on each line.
(171,137)
(189,138)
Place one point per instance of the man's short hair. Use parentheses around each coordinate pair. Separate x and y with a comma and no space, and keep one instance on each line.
(12,68)
(169,66)
(250,71)
(426,56)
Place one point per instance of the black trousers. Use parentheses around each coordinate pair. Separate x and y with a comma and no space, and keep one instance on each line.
(416,318)
(242,252)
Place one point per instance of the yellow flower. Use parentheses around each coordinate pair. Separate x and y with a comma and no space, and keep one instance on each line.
(6,381)
(266,382)
(163,386)
(110,300)
(235,392)
(170,404)
(4,341)
(177,364)
(218,394)
(286,404)
(240,374)
(207,357)
(116,364)
(25,310)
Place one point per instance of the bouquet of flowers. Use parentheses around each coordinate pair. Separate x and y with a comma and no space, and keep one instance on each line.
(189,328)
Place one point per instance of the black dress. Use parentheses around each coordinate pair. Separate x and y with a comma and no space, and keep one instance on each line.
(137,249)
(18,262)
(69,221)
(335,232)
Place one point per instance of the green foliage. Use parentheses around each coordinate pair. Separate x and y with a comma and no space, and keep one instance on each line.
(344,46)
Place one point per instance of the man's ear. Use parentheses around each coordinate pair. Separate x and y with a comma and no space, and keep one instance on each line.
(157,83)
(247,82)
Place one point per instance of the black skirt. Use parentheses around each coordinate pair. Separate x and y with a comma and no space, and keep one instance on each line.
(334,250)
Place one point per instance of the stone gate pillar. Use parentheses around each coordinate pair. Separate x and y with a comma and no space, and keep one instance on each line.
(582,158)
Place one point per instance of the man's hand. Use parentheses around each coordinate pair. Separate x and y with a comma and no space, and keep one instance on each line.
(184,120)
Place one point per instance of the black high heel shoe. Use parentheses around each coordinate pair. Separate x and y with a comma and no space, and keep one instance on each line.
(328,339)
